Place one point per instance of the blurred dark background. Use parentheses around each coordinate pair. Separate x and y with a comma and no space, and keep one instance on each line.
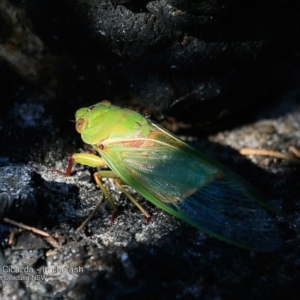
(199,63)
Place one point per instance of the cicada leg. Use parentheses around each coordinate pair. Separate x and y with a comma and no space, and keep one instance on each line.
(98,176)
(106,174)
(119,183)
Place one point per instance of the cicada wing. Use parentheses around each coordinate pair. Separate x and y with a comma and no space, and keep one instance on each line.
(224,209)
(195,190)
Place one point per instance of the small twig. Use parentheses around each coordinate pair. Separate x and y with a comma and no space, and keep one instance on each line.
(52,241)
(48,236)
(11,238)
(20,225)
(51,252)
(294,241)
(288,156)
(295,151)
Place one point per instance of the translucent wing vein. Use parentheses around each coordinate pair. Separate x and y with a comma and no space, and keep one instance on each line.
(195,190)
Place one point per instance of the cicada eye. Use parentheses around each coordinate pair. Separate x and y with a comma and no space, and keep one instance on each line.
(79,126)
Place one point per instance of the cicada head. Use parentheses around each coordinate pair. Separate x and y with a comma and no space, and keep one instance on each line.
(106,121)
(91,120)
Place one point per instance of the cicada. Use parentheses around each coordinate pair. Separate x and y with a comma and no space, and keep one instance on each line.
(173,176)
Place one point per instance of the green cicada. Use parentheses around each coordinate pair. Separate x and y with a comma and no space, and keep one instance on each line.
(174,176)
